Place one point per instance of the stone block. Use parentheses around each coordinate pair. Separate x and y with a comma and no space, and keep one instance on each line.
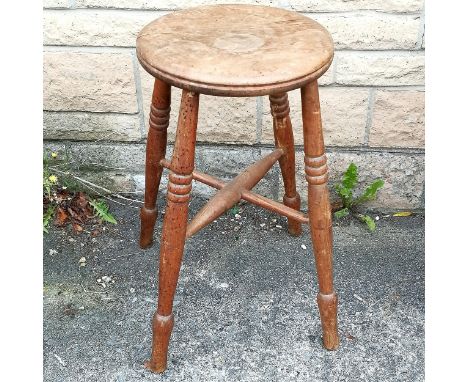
(99,82)
(347,5)
(398,119)
(371,31)
(94,28)
(91,126)
(380,68)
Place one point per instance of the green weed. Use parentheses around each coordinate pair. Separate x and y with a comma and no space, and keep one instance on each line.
(345,190)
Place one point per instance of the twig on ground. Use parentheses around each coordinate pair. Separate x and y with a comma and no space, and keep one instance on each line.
(109,167)
(105,189)
(131,192)
(92,186)
(60,360)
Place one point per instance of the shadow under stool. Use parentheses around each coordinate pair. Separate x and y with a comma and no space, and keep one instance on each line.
(234,51)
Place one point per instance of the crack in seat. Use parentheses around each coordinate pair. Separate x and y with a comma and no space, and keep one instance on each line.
(235,50)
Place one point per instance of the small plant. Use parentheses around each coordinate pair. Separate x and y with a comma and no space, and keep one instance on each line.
(64,200)
(345,191)
(102,210)
(234,210)
(48,180)
(49,183)
(47,217)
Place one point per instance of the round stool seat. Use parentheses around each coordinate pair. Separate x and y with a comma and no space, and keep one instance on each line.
(235,50)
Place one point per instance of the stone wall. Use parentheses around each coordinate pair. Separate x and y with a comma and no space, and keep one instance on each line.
(96,96)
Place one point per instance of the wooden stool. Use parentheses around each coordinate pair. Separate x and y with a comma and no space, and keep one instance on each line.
(235,51)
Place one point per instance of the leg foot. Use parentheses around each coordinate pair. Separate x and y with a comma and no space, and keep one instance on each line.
(162,329)
(294,227)
(148,220)
(327,304)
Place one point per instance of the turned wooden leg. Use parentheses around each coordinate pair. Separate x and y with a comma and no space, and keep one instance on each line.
(155,151)
(319,211)
(174,228)
(284,139)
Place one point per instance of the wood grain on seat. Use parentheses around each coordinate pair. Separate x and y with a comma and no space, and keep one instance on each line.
(235,50)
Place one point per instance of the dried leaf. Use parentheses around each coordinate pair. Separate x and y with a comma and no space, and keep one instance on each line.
(77,228)
(80,209)
(62,195)
(95,233)
(81,201)
(74,215)
(61,217)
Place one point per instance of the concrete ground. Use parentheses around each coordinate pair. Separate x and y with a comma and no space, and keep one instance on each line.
(245,306)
